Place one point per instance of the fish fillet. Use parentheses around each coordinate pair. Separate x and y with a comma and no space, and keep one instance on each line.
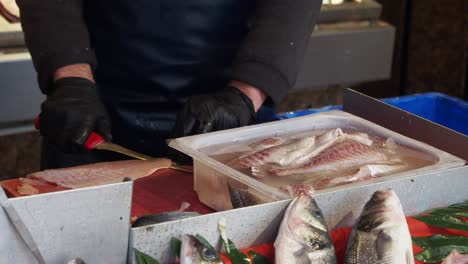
(364,173)
(344,156)
(101,173)
(282,154)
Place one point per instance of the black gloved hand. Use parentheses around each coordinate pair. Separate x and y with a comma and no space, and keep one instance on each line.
(71,112)
(228,108)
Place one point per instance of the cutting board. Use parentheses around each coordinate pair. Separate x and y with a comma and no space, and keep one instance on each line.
(163,191)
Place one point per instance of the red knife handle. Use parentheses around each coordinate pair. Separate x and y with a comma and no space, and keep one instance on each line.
(93,140)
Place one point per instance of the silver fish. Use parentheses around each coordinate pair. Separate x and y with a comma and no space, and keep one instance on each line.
(303,236)
(162,217)
(195,252)
(456,258)
(381,235)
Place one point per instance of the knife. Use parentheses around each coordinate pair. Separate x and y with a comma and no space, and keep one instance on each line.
(96,141)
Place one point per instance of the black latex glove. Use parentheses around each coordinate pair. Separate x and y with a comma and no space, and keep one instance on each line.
(71,112)
(228,108)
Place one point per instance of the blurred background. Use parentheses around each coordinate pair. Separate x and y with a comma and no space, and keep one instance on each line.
(383,48)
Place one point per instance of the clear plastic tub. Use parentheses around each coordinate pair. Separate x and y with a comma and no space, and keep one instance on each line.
(212,175)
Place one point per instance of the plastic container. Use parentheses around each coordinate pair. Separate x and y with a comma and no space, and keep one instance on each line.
(212,176)
(439,108)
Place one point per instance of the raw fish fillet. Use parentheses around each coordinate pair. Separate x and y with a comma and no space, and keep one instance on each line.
(365,173)
(101,173)
(282,154)
(344,156)
(322,143)
(267,142)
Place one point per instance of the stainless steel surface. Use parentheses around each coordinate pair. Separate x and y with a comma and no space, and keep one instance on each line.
(20,97)
(12,247)
(350,11)
(259,224)
(406,123)
(344,54)
(90,223)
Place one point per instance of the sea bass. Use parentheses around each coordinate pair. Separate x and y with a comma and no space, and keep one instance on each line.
(381,235)
(341,157)
(303,235)
(195,252)
(456,258)
(100,173)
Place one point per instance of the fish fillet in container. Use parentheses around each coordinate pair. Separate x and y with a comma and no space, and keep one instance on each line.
(326,151)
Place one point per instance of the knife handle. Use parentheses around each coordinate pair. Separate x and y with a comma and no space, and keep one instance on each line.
(93,140)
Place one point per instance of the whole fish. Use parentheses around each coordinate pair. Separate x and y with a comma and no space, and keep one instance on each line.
(456,258)
(303,235)
(380,235)
(195,252)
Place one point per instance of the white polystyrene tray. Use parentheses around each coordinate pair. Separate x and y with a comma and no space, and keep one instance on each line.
(333,119)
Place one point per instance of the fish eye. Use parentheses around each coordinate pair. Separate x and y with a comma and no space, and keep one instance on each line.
(208,254)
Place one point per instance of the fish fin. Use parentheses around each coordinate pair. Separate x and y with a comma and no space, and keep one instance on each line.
(383,245)
(346,221)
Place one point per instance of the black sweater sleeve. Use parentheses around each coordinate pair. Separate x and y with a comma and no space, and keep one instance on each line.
(56,35)
(273,51)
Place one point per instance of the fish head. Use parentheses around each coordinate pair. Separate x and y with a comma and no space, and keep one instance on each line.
(193,251)
(382,211)
(308,225)
(381,234)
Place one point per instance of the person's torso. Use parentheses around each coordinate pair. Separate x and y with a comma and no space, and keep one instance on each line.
(168,48)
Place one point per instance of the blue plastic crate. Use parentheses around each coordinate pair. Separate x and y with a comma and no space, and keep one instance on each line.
(439,108)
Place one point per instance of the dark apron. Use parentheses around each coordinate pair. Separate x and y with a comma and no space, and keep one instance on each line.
(152,55)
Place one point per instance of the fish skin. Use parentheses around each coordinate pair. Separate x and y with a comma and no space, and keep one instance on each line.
(381,234)
(303,236)
(344,156)
(456,258)
(194,252)
(100,173)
